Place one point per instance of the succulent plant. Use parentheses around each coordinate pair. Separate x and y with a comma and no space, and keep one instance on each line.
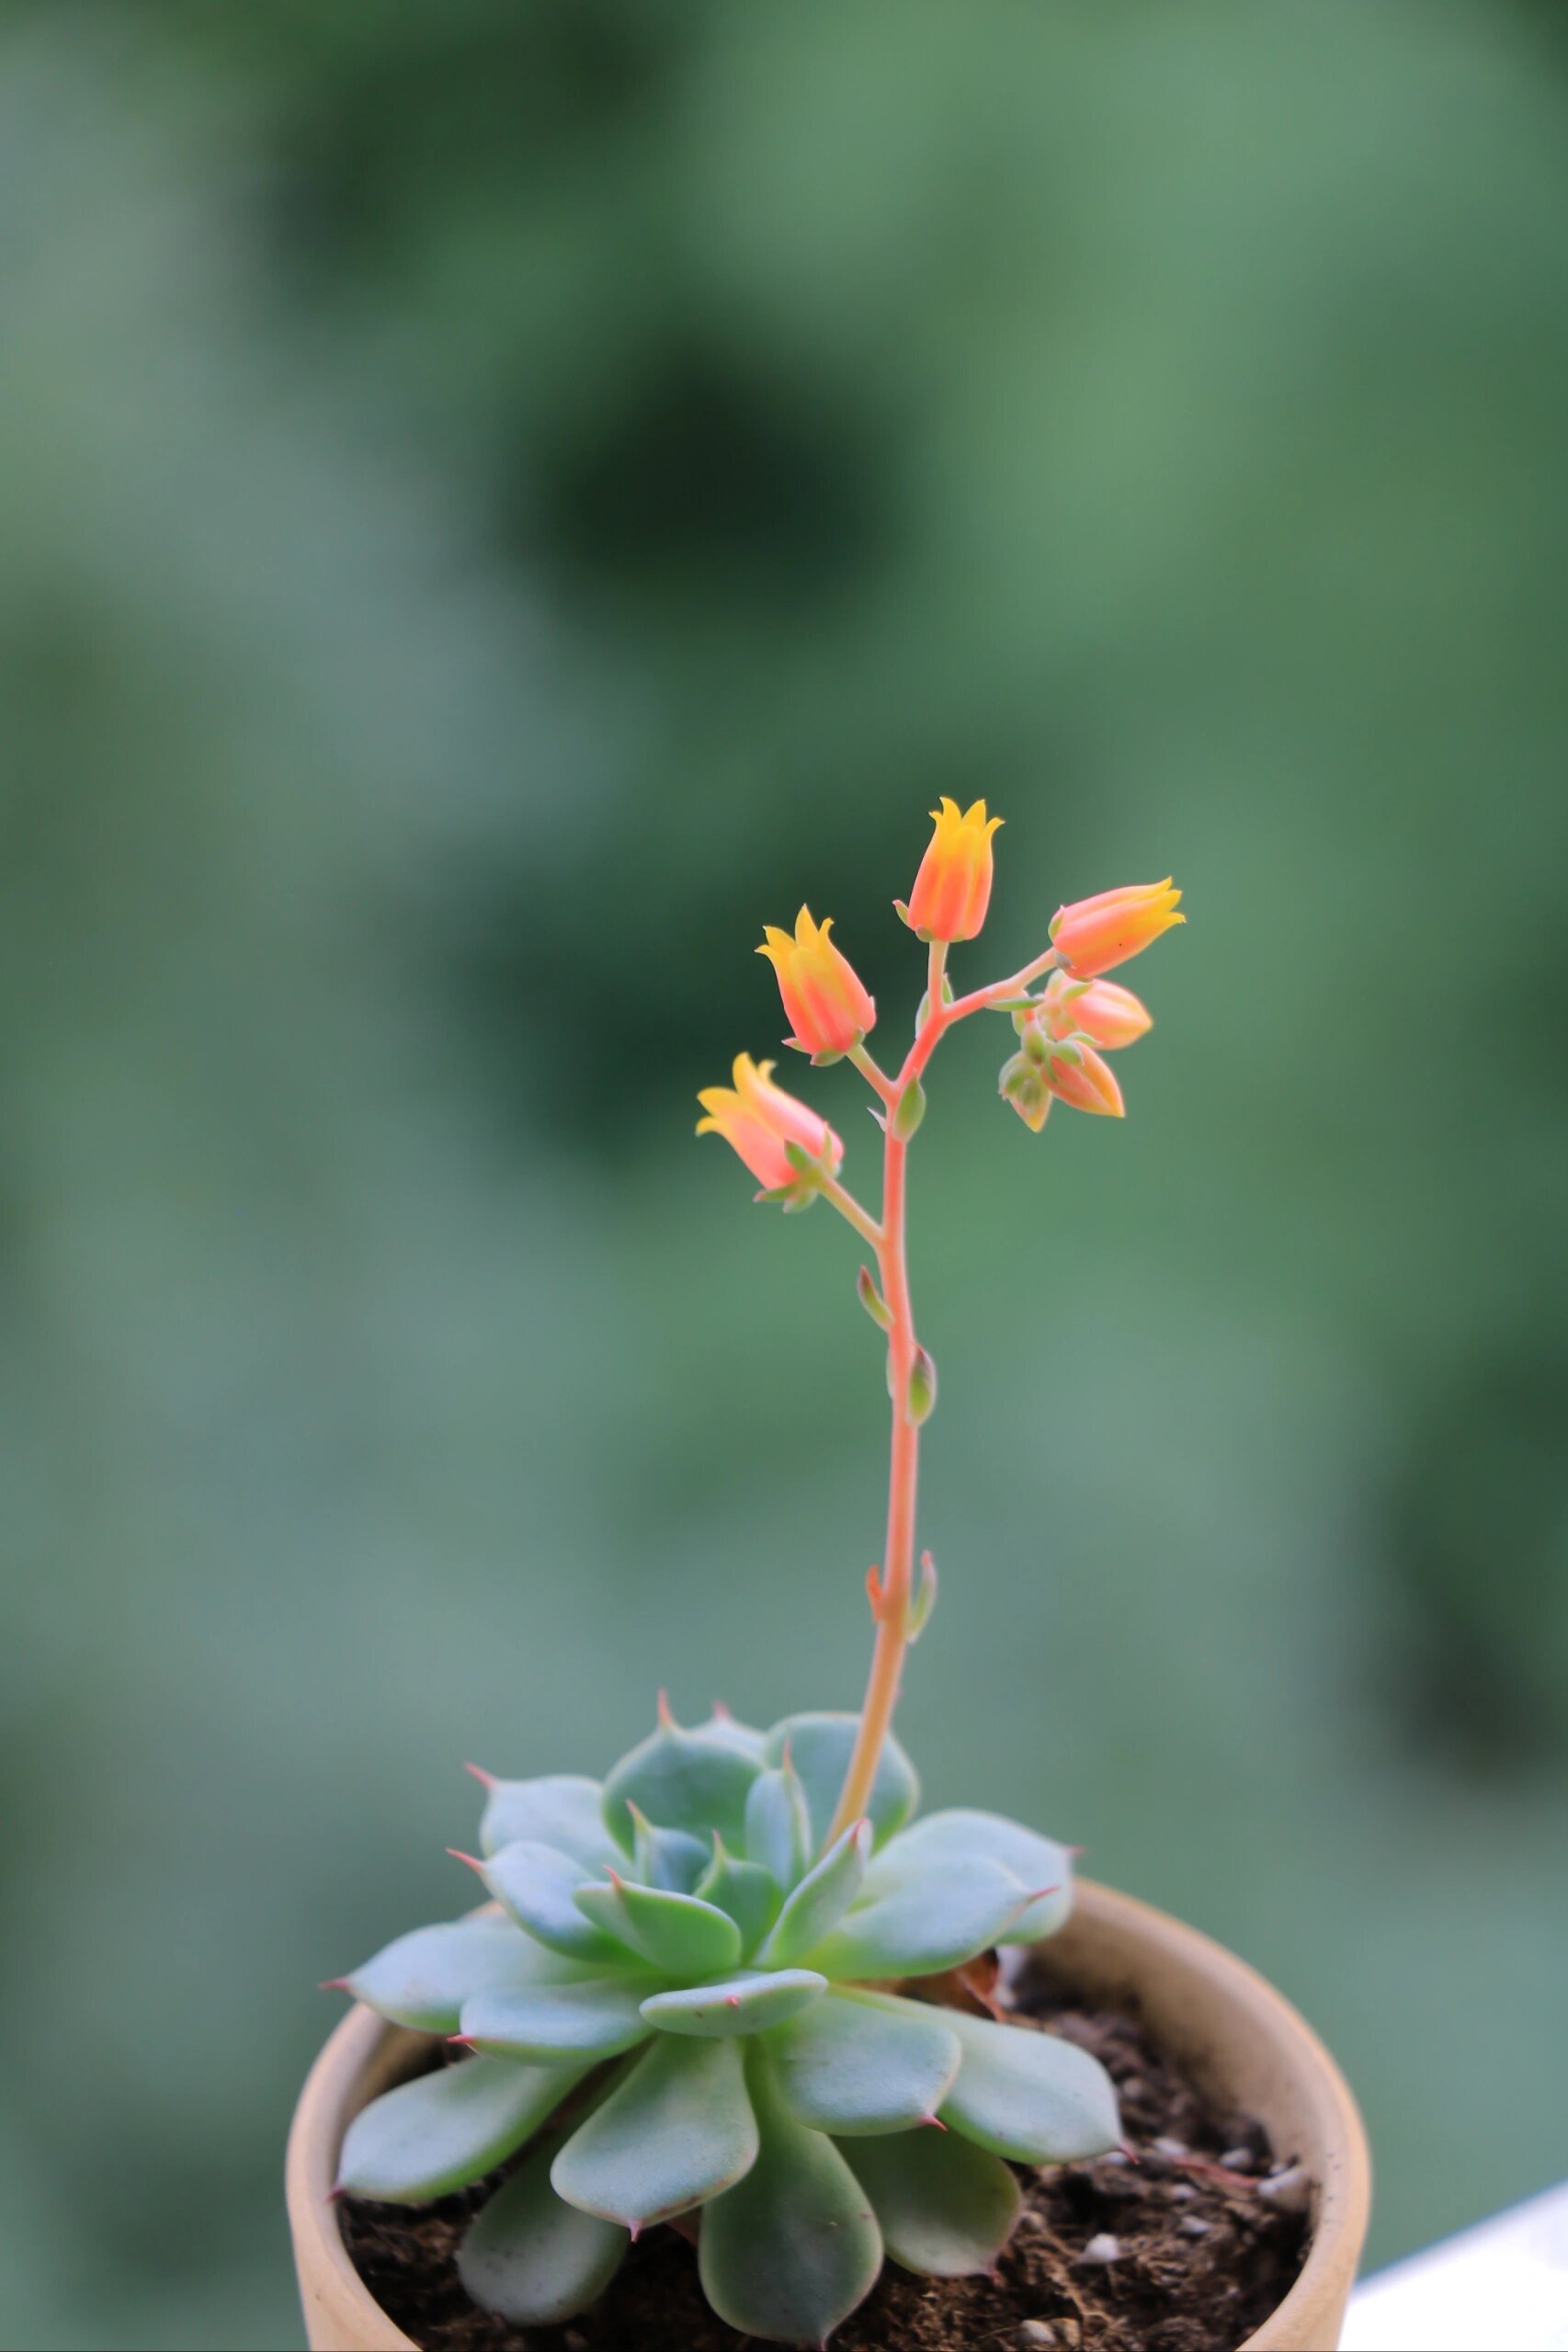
(687,2002)
(694,2001)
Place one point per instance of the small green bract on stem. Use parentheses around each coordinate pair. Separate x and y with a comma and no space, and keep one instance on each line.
(684,1997)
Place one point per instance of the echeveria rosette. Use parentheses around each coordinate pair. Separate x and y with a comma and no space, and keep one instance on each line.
(696,2002)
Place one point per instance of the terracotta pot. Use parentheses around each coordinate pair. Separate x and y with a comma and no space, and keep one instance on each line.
(1233,2032)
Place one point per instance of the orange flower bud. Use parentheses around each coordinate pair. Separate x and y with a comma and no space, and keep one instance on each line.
(823,995)
(759,1122)
(1078,1075)
(1096,933)
(952,888)
(1108,1013)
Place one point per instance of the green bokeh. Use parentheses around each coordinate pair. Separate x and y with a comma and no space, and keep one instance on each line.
(499,501)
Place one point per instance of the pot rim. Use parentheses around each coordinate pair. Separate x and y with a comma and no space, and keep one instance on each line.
(364,2053)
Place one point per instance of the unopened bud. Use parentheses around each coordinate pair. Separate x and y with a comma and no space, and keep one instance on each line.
(1023,1086)
(871,1299)
(1099,1009)
(908,1111)
(1032,1100)
(1077,1073)
(922,1386)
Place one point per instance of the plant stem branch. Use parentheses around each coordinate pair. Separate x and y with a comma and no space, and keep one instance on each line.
(893,1603)
(893,1608)
(875,1076)
(844,1200)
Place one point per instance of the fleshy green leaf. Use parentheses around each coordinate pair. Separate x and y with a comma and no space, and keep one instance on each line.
(746,2004)
(537,1885)
(562,1810)
(677,1933)
(852,2065)
(923,1924)
(820,1748)
(749,1893)
(944,2206)
(1029,2096)
(442,2130)
(721,1726)
(667,1857)
(424,1978)
(790,2253)
(778,1825)
(821,1900)
(691,1780)
(960,1833)
(674,2132)
(533,2258)
(554,2023)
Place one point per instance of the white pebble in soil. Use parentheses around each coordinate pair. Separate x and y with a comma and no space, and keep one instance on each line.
(1036,2335)
(1290,2190)
(1102,2247)
(1237,2160)
(1194,2226)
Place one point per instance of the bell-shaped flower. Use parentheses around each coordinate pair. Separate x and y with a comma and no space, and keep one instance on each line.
(1094,934)
(1076,1074)
(760,1123)
(823,996)
(952,888)
(1109,1014)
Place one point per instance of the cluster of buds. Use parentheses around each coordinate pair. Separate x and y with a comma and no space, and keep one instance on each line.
(1063,1038)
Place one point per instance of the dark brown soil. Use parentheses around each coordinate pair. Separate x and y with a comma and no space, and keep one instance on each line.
(1172,2247)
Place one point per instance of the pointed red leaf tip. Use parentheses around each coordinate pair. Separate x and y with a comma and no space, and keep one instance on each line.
(721,1852)
(465,2040)
(666,1720)
(471,1859)
(721,1713)
(485,1779)
(336,2195)
(935,2121)
(1074,1851)
(732,2000)
(1131,2153)
(332,1984)
(634,2231)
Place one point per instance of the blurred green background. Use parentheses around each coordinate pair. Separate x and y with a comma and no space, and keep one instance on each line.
(498,501)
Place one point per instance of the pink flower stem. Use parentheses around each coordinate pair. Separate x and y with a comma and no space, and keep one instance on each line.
(890,1598)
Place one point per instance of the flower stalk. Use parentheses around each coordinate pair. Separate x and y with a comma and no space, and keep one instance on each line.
(1063,1036)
